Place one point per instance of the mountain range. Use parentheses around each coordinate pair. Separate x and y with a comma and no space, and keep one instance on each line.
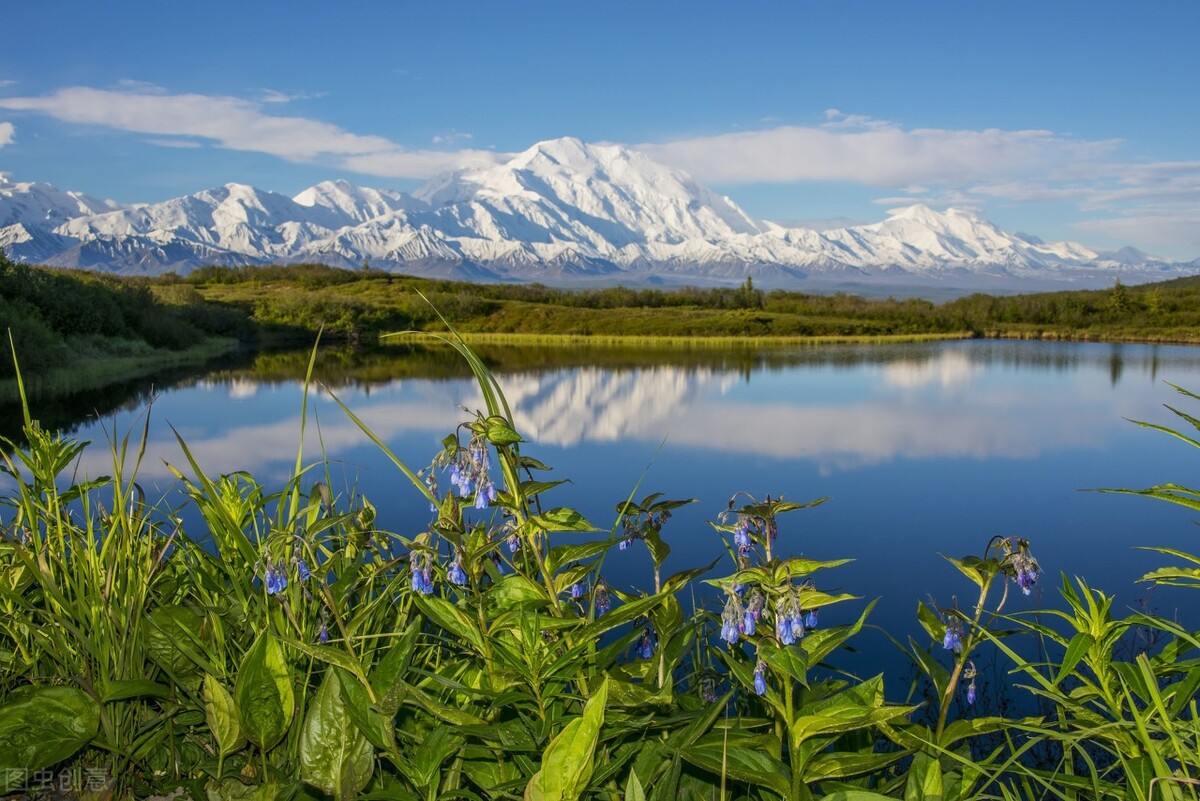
(561,212)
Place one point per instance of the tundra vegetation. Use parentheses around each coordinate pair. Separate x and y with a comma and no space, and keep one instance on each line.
(295,645)
(79,329)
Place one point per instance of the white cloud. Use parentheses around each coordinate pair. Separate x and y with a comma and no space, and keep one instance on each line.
(861,150)
(242,125)
(272,96)
(7,133)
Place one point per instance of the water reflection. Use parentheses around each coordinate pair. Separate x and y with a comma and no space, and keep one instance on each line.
(839,407)
(924,449)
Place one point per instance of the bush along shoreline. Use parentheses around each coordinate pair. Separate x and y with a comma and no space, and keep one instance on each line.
(297,647)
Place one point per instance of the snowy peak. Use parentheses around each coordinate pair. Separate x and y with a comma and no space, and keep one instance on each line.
(596,193)
(562,210)
(355,204)
(43,205)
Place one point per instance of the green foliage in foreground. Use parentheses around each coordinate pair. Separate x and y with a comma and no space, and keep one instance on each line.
(297,648)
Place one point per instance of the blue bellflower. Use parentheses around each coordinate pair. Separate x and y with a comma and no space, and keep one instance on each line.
(731,619)
(455,573)
(275,578)
(601,599)
(422,572)
(952,639)
(760,678)
(647,643)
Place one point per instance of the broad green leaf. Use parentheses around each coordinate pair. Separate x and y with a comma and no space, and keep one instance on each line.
(334,754)
(567,764)
(450,618)
(1080,644)
(436,747)
(856,795)
(42,726)
(516,590)
(263,694)
(329,654)
(377,728)
(221,714)
(633,788)
(564,554)
(659,550)
(173,640)
(499,432)
(561,518)
(930,621)
(924,778)
(743,764)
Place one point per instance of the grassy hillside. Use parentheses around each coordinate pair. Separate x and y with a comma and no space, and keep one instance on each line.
(75,328)
(85,326)
(360,305)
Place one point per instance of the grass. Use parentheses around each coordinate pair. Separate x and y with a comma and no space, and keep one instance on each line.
(118,364)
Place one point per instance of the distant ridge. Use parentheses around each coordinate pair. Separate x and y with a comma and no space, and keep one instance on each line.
(563,211)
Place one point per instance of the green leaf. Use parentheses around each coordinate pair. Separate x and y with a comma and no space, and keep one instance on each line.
(562,518)
(500,433)
(924,778)
(221,714)
(263,693)
(856,795)
(436,747)
(743,764)
(377,728)
(42,726)
(124,689)
(334,754)
(567,764)
(633,788)
(173,640)
(516,590)
(564,554)
(1080,644)
(387,677)
(450,618)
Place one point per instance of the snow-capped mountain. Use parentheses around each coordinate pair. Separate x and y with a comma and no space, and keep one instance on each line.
(562,210)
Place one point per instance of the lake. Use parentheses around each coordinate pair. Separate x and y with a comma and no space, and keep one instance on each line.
(924,449)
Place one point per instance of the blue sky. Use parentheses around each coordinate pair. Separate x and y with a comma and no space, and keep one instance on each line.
(1068,120)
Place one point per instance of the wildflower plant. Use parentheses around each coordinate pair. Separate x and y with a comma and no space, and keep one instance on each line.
(771,647)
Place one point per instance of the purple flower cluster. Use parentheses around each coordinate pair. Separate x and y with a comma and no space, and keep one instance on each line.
(789,620)
(1027,570)
(455,573)
(275,578)
(741,533)
(468,472)
(647,643)
(952,639)
(421,566)
(755,602)
(600,598)
(733,618)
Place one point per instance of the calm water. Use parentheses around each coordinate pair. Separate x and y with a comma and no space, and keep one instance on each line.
(924,449)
